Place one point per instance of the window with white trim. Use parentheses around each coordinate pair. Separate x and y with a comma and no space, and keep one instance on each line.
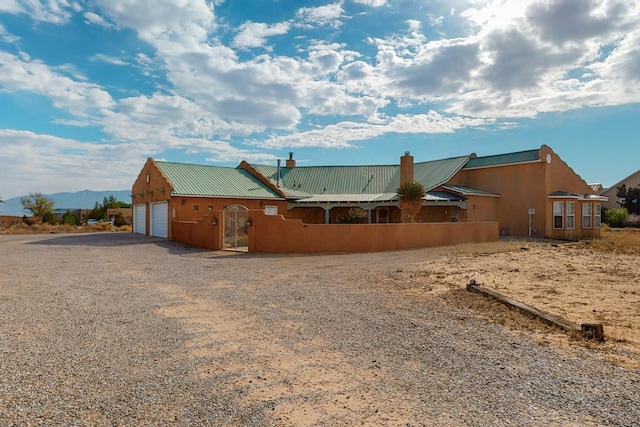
(597,215)
(558,215)
(571,215)
(586,215)
(271,210)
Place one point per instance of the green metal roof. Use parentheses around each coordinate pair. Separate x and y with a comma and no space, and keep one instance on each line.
(359,179)
(332,179)
(203,180)
(503,159)
(434,173)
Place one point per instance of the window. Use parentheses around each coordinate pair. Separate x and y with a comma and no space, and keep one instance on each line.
(210,208)
(597,215)
(586,215)
(558,215)
(1,222)
(196,207)
(271,210)
(571,215)
(622,201)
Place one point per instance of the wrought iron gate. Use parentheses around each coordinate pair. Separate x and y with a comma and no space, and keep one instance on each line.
(235,227)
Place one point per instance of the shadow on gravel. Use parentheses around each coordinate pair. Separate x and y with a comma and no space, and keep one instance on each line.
(116,239)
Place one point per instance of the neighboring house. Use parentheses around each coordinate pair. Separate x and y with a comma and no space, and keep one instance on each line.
(611,193)
(80,214)
(127,213)
(273,208)
(7,221)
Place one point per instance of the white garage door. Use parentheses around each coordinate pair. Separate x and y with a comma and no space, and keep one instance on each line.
(140,219)
(160,219)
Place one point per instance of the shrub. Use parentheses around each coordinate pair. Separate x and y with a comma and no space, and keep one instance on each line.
(633,220)
(615,217)
(410,194)
(119,220)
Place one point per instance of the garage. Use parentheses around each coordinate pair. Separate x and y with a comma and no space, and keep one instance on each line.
(140,219)
(160,219)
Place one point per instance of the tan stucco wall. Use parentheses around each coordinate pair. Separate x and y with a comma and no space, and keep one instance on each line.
(7,220)
(203,233)
(525,186)
(275,234)
(154,189)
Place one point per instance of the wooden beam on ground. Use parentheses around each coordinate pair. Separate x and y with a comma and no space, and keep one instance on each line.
(587,330)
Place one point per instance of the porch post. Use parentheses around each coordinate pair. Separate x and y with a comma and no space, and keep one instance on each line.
(326,214)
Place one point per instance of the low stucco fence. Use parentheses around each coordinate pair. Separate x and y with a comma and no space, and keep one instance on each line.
(275,234)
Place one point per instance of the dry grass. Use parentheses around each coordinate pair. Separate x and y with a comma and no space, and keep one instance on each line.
(61,228)
(624,240)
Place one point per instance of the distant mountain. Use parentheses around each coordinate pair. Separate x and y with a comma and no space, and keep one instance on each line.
(80,200)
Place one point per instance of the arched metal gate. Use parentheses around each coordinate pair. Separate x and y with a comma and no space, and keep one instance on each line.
(235,227)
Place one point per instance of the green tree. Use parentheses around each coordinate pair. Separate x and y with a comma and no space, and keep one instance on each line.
(40,206)
(631,197)
(410,195)
(69,218)
(99,211)
(119,220)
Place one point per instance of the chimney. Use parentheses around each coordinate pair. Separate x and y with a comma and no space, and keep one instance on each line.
(290,162)
(406,167)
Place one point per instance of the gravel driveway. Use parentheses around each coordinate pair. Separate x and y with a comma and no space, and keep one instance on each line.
(123,329)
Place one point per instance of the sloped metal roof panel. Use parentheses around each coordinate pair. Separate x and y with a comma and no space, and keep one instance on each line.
(504,159)
(217,181)
(360,179)
(442,196)
(332,179)
(433,173)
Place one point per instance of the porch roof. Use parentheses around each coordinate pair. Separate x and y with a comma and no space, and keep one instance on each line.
(569,195)
(431,196)
(469,191)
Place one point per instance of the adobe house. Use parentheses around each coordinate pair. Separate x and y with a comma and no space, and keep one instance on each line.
(7,221)
(292,208)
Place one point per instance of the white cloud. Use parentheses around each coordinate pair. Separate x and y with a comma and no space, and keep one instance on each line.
(100,57)
(10,6)
(187,20)
(345,134)
(371,3)
(58,164)
(96,19)
(26,74)
(255,34)
(54,11)
(320,16)
(6,36)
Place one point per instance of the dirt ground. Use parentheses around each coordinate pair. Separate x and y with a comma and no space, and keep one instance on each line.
(392,338)
(584,282)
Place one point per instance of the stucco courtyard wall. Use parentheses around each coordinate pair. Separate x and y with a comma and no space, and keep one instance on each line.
(275,234)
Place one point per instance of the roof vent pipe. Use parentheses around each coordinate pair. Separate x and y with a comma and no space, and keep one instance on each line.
(278,175)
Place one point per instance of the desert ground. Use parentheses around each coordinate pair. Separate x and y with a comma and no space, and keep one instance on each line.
(123,329)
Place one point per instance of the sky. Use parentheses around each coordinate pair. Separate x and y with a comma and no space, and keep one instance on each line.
(89,89)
